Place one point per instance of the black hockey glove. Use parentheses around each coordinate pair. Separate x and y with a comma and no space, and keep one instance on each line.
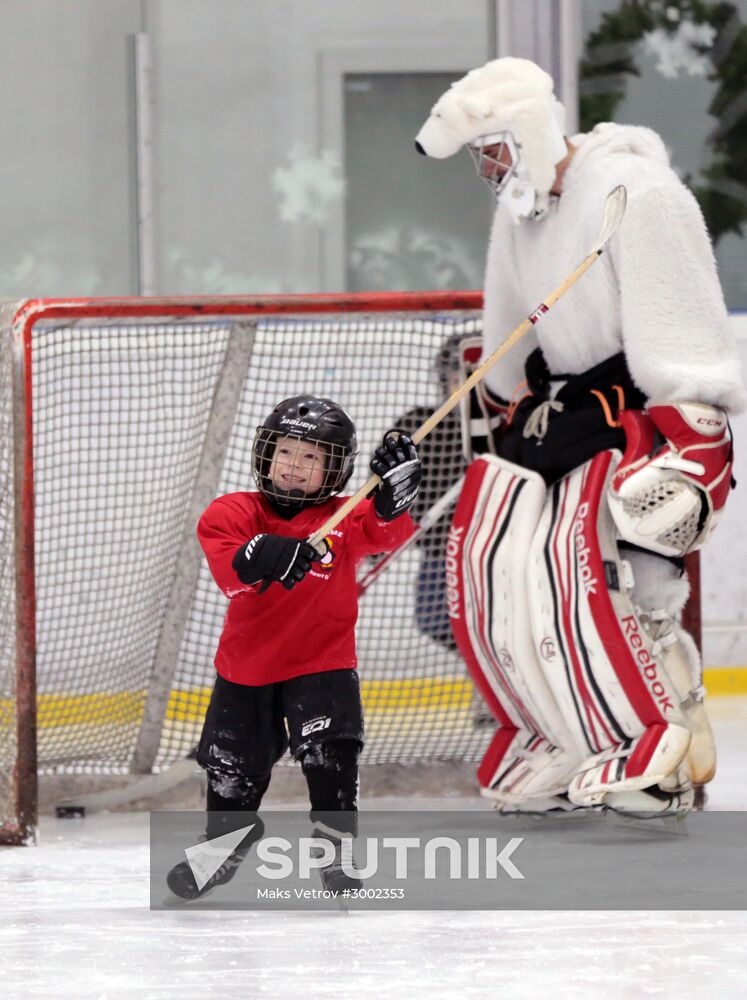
(274,557)
(398,465)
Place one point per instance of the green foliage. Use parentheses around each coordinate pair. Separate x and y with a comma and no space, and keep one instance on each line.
(609,57)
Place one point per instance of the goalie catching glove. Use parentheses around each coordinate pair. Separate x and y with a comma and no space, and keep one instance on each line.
(667,496)
(274,558)
(397,464)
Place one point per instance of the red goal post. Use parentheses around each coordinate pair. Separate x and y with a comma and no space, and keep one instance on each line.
(121,420)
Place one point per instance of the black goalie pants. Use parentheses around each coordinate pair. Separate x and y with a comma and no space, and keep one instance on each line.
(248,729)
(585,423)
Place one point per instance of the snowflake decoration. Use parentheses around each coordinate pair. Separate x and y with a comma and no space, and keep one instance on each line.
(42,269)
(309,186)
(678,50)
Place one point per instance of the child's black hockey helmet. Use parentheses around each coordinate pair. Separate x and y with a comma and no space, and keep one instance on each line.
(319,421)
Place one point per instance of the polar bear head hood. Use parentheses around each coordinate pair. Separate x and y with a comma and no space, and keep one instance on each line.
(505,94)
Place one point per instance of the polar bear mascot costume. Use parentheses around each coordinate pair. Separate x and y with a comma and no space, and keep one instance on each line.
(607,457)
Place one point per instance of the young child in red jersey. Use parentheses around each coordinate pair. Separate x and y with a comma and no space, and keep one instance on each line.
(287,651)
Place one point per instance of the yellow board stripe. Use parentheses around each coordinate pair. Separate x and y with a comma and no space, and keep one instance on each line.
(190,705)
(99,708)
(379,696)
(725,680)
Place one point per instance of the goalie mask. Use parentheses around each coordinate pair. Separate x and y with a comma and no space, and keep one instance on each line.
(506,114)
(303,452)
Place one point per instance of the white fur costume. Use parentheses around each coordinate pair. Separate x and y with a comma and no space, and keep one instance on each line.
(654,294)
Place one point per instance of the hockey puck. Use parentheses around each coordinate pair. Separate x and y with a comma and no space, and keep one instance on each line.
(70,812)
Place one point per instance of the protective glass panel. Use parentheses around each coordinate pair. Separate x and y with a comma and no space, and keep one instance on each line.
(394,238)
(680,68)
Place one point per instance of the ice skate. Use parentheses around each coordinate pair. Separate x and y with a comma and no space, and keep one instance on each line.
(336,876)
(181,879)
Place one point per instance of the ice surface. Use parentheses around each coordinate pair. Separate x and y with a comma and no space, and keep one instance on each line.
(77,924)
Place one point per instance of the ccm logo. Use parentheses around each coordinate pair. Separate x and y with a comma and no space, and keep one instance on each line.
(709,422)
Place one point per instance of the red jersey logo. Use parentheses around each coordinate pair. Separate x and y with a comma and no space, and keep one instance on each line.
(327,562)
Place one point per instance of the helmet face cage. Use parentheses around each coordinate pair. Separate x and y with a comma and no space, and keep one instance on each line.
(490,166)
(318,478)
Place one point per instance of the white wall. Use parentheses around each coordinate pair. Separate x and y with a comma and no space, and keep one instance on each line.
(65,169)
(724,560)
(237,85)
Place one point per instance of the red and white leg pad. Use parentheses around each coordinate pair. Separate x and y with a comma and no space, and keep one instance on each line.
(532,753)
(541,609)
(597,656)
(520,766)
(606,672)
(630,766)
(659,594)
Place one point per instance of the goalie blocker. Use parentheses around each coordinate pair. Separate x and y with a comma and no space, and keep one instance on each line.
(593,694)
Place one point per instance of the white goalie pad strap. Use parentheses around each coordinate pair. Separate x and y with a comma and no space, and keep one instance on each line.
(488,605)
(630,766)
(597,657)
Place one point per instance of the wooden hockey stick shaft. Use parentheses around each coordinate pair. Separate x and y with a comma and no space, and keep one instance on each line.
(614,209)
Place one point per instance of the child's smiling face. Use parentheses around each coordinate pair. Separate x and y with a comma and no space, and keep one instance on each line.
(298,465)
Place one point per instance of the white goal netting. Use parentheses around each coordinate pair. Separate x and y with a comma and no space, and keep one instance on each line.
(138,422)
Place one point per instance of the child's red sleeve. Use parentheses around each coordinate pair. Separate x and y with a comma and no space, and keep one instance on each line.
(223,528)
(371,535)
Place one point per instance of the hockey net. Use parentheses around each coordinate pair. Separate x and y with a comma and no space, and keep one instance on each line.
(121,420)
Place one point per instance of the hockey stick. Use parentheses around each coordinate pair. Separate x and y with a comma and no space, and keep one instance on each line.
(614,209)
(430,517)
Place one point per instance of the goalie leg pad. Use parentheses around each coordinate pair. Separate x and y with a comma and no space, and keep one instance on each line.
(630,766)
(680,657)
(595,653)
(521,767)
(676,650)
(532,753)
(659,594)
(603,666)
